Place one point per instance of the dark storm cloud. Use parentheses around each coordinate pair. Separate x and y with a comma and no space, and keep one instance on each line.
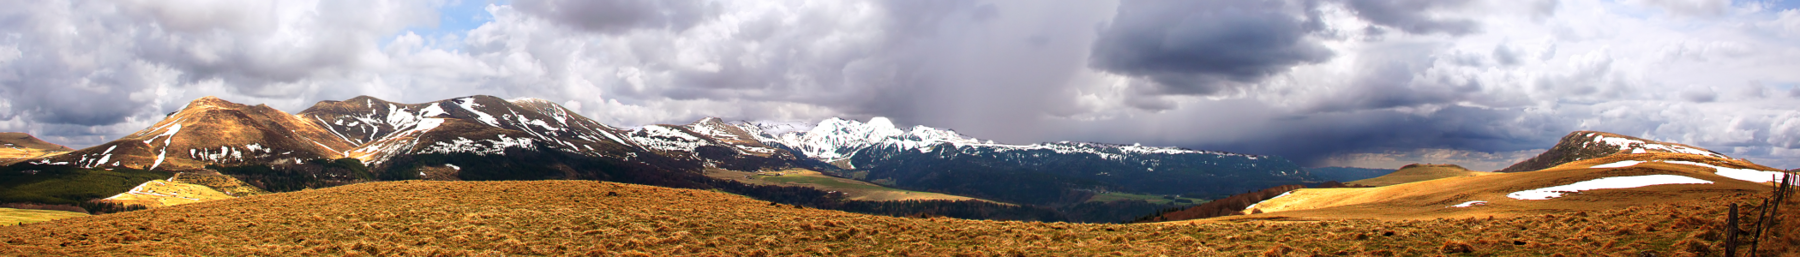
(1312,139)
(617,16)
(1205,47)
(1410,15)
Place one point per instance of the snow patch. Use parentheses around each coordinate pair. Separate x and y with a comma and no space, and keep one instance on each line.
(1469,204)
(1752,175)
(1619,164)
(1605,183)
(469,104)
(1253,206)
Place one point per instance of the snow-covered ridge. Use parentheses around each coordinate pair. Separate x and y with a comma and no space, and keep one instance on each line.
(836,139)
(1641,146)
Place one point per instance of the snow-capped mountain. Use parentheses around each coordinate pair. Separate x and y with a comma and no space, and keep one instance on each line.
(211,131)
(937,159)
(485,137)
(480,125)
(1582,145)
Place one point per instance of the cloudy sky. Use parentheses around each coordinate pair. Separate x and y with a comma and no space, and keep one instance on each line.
(1323,82)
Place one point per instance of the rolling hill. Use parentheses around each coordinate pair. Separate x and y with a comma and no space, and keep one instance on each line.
(600,218)
(1418,172)
(21,145)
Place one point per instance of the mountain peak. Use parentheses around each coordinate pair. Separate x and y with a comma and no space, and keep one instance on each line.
(880,122)
(1582,145)
(212,102)
(710,121)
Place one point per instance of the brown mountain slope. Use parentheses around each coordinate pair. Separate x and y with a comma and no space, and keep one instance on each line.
(1418,172)
(17,145)
(1582,145)
(212,131)
(599,218)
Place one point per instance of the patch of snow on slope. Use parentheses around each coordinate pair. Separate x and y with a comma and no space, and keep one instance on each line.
(709,127)
(1253,206)
(1619,164)
(432,111)
(1469,204)
(1639,146)
(469,104)
(664,138)
(479,147)
(1752,175)
(1605,183)
(169,138)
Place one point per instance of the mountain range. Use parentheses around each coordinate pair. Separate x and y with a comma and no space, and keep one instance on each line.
(489,138)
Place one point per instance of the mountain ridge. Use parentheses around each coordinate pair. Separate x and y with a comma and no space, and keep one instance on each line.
(1581,145)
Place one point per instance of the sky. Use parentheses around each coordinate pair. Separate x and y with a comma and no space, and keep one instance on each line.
(1366,83)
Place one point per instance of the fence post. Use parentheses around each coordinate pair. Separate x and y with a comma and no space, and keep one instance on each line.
(1731,231)
(1783,187)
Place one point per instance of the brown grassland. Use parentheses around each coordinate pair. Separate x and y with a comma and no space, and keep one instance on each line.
(429,218)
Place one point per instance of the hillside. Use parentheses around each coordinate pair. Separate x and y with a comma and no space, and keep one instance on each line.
(1684,177)
(21,145)
(599,218)
(1582,145)
(1418,172)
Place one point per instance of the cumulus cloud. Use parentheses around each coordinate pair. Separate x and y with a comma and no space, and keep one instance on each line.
(1319,81)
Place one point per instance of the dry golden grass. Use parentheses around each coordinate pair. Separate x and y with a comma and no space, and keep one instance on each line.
(853,189)
(10,216)
(221,182)
(1418,172)
(601,218)
(160,193)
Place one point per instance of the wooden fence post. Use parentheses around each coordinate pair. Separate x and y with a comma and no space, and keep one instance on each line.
(1731,231)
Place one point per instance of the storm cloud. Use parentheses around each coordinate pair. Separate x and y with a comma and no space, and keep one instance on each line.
(1205,47)
(1323,82)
